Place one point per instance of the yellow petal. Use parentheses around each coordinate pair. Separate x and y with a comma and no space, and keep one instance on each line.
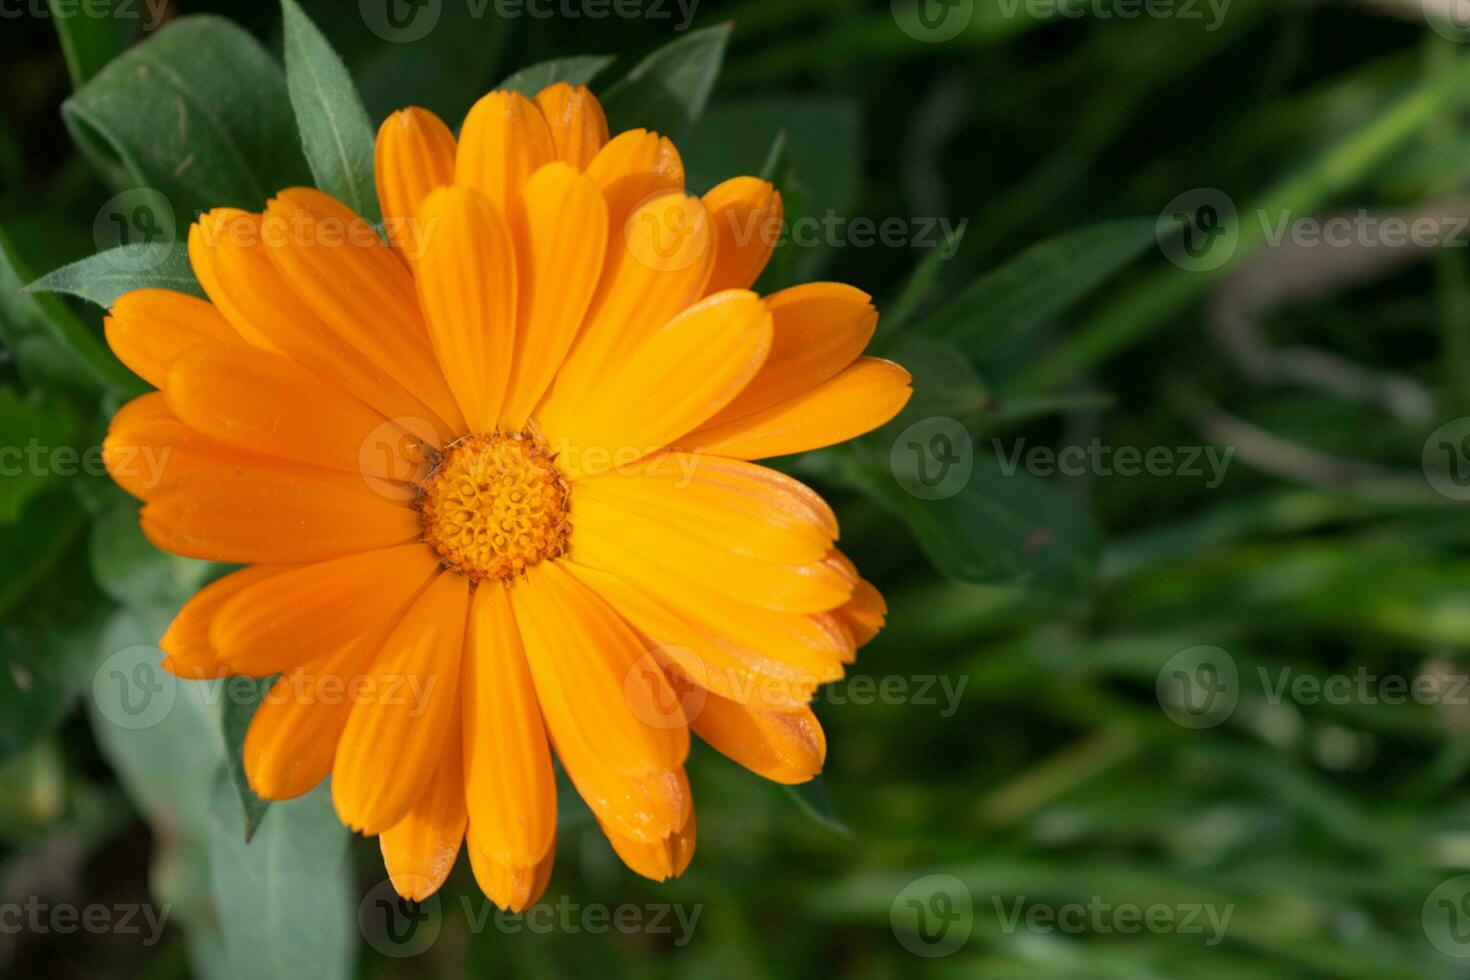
(190,654)
(576,120)
(344,273)
(817,330)
(419,851)
(858,400)
(413,156)
(399,730)
(148,328)
(746,214)
(508,776)
(268,403)
(503,141)
(632,167)
(229,256)
(660,860)
(683,374)
(467,289)
(291,618)
(560,228)
(512,887)
(657,265)
(782,746)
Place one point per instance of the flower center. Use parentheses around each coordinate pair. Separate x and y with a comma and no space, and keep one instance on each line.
(495,505)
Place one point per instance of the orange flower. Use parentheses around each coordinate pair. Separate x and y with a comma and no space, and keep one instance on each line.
(493,486)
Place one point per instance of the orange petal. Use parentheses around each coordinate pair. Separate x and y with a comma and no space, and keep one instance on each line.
(467,289)
(782,746)
(413,156)
(866,611)
(716,564)
(148,328)
(657,265)
(293,737)
(503,141)
(419,850)
(145,445)
(858,400)
(679,377)
(817,330)
(750,509)
(226,510)
(512,887)
(508,776)
(660,860)
(344,273)
(397,733)
(577,123)
(718,661)
(746,214)
(560,225)
(231,261)
(299,615)
(189,652)
(632,167)
(268,403)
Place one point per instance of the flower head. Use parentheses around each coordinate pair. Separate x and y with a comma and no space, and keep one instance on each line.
(492,483)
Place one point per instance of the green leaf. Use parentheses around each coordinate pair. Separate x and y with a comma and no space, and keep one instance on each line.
(36,435)
(89,41)
(667,91)
(198,113)
(576,70)
(1039,284)
(285,899)
(43,668)
(977,520)
(811,797)
(47,528)
(243,696)
(128,567)
(103,277)
(335,131)
(40,327)
(917,289)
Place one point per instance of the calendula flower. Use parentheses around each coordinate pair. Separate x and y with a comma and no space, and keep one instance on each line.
(492,483)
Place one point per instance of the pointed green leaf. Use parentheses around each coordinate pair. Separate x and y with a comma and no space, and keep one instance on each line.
(198,113)
(103,277)
(335,131)
(576,70)
(242,698)
(667,91)
(811,797)
(1039,284)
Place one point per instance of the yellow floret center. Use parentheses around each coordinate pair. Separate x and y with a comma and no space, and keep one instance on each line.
(495,505)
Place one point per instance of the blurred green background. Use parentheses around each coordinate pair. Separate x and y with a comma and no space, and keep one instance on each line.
(1186,722)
